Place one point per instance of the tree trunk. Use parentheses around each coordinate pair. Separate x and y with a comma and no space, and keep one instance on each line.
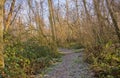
(52,24)
(8,20)
(1,34)
(85,7)
(100,20)
(113,20)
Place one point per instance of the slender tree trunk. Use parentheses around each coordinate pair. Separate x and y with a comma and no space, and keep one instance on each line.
(51,19)
(1,34)
(8,20)
(67,20)
(100,20)
(87,13)
(52,24)
(113,20)
(58,11)
(77,9)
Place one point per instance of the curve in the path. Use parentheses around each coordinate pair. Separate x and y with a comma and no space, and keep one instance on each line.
(72,66)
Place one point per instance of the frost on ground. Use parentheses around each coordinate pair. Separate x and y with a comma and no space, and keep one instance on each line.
(72,66)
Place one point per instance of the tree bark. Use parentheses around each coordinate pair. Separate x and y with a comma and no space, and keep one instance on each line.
(100,20)
(51,18)
(8,20)
(52,24)
(113,20)
(1,34)
(85,7)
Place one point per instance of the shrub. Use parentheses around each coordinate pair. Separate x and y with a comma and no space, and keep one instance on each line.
(25,58)
(105,60)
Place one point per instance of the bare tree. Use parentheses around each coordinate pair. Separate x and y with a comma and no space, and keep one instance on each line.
(52,23)
(7,21)
(100,20)
(86,11)
(113,19)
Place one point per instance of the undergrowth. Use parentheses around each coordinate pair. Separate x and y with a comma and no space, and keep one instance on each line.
(25,58)
(105,60)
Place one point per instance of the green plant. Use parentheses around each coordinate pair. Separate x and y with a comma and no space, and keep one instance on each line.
(24,58)
(105,60)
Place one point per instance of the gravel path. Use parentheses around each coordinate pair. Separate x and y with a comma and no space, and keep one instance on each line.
(72,66)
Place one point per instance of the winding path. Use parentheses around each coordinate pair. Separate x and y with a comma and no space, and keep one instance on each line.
(72,66)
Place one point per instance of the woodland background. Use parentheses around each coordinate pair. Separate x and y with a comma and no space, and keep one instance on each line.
(31,31)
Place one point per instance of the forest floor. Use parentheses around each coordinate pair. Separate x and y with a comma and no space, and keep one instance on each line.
(71,66)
